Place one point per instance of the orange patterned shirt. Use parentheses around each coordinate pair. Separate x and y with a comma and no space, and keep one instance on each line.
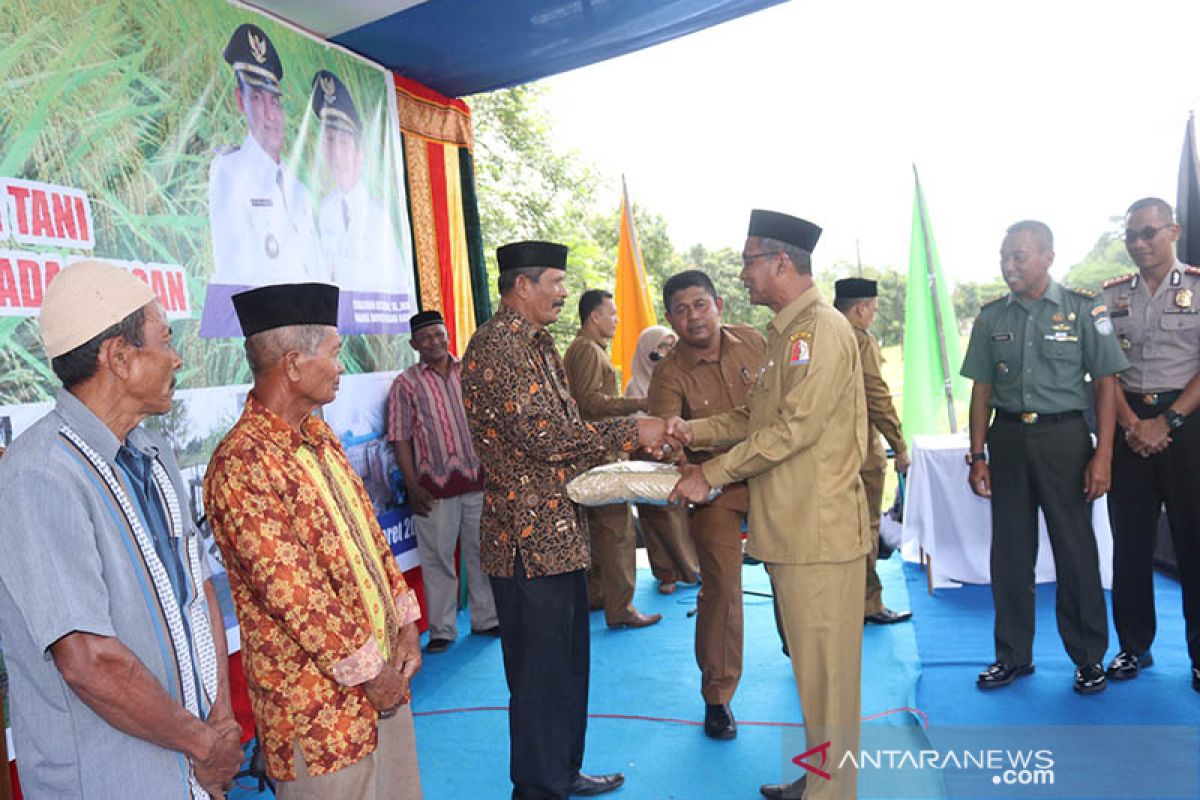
(307,639)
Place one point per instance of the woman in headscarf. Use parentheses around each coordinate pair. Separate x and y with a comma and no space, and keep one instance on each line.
(664,530)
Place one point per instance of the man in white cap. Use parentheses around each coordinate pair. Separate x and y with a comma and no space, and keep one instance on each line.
(114,642)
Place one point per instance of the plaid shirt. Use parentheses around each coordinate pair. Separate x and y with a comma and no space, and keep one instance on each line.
(428,409)
(531,440)
(307,637)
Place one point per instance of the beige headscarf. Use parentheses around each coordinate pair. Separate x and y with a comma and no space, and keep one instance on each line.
(648,342)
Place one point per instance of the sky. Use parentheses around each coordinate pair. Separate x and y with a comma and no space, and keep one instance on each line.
(1063,111)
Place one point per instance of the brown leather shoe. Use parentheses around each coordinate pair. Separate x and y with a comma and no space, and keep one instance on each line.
(636,619)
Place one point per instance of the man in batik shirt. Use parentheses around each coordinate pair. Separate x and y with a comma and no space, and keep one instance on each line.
(533,541)
(328,624)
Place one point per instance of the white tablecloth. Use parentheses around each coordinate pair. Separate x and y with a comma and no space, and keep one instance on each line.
(946,519)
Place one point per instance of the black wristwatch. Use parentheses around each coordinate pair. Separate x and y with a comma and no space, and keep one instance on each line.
(978,457)
(1174,419)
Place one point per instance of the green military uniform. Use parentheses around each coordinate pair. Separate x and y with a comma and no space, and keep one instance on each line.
(1034,354)
(799,442)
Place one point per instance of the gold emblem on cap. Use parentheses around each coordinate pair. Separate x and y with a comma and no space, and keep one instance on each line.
(328,88)
(258,47)
(1183,298)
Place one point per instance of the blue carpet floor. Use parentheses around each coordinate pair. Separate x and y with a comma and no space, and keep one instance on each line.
(646,710)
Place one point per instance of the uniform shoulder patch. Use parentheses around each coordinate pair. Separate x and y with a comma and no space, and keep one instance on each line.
(1088,293)
(226,149)
(1119,281)
(800,351)
(1192,270)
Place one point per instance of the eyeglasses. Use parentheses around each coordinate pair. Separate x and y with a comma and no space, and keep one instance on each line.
(748,259)
(1147,233)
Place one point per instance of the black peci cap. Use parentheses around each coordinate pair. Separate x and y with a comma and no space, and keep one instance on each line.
(283,304)
(854,288)
(784,228)
(525,255)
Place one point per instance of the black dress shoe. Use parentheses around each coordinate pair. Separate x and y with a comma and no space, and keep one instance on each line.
(1090,679)
(438,645)
(719,722)
(492,631)
(1125,665)
(1001,674)
(586,785)
(784,791)
(887,617)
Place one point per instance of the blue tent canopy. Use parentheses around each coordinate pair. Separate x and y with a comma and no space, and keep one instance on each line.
(461,47)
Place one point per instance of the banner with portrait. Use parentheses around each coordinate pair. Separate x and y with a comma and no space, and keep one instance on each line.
(207,148)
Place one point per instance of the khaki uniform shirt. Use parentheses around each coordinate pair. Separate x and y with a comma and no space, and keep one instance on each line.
(799,441)
(686,385)
(1161,334)
(593,379)
(1035,353)
(531,442)
(881,414)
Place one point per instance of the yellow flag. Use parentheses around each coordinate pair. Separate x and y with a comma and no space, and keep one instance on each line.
(635,309)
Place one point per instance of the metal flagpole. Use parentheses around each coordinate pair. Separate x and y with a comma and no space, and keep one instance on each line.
(937,308)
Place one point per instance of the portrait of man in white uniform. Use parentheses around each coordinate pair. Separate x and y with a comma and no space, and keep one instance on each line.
(358,240)
(261,215)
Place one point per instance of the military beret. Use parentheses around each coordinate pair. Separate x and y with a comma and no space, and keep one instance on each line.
(283,304)
(254,58)
(784,228)
(332,103)
(525,255)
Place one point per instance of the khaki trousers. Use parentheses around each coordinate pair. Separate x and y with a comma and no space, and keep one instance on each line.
(388,773)
(614,567)
(450,521)
(717,533)
(873,484)
(668,545)
(820,606)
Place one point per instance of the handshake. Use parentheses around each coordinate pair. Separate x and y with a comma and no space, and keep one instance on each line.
(664,440)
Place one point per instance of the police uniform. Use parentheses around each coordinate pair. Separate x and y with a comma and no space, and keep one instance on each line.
(1034,354)
(799,443)
(686,385)
(261,214)
(358,240)
(1160,335)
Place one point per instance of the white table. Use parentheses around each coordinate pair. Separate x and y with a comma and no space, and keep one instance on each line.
(953,526)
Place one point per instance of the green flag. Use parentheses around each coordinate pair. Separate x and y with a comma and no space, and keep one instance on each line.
(931,341)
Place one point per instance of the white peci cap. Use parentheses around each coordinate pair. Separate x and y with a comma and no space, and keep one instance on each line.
(85,299)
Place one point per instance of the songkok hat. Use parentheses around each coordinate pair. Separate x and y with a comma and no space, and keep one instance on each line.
(84,300)
(254,58)
(424,320)
(784,228)
(854,288)
(283,304)
(332,103)
(525,255)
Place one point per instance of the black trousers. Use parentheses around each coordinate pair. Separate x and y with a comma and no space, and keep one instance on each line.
(1032,466)
(545,636)
(1140,487)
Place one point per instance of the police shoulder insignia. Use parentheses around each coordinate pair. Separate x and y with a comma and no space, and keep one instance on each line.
(226,149)
(1192,270)
(1118,281)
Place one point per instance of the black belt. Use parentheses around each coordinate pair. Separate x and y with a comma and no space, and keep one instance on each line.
(1154,398)
(1034,417)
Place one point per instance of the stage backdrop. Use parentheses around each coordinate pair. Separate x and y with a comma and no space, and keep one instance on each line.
(125,135)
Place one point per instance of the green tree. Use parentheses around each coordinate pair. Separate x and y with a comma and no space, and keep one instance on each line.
(968,297)
(1108,259)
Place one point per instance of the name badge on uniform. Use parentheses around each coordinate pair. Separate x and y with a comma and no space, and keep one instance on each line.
(801,350)
(1001,337)
(261,202)
(1117,313)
